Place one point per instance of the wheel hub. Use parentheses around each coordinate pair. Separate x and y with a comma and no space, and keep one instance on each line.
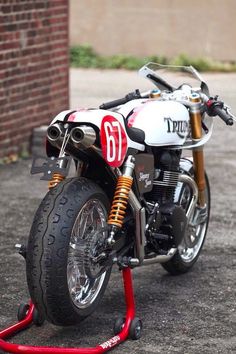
(190,237)
(84,286)
(95,254)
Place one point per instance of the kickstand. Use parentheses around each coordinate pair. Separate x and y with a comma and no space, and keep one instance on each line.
(131,327)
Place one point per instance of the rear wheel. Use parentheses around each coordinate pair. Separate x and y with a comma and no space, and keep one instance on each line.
(192,243)
(65,225)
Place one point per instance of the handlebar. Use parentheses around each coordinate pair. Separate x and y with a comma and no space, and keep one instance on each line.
(217,108)
(212,106)
(114,103)
(224,116)
(129,97)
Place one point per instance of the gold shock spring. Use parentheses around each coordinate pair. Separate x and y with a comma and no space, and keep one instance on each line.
(56,178)
(120,200)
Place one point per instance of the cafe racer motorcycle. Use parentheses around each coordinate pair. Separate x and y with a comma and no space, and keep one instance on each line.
(137,196)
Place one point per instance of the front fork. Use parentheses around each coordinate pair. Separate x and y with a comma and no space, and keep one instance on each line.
(198,156)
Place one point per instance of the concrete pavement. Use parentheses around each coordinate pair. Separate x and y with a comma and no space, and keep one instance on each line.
(191,314)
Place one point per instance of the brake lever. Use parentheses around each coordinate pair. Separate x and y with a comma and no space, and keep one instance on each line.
(227,110)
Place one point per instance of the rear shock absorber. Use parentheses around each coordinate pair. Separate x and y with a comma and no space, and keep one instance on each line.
(56,178)
(120,199)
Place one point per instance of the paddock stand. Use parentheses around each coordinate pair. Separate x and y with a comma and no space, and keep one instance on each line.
(130,326)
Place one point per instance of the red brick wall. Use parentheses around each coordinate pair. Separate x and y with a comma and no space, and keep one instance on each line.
(33,68)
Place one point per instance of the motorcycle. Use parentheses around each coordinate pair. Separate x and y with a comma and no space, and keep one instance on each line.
(137,198)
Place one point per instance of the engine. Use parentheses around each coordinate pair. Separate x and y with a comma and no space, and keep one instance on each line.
(166,176)
(166,220)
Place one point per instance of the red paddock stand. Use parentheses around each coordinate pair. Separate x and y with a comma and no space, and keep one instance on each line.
(131,327)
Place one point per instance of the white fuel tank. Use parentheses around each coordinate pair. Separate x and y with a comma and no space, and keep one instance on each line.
(164,122)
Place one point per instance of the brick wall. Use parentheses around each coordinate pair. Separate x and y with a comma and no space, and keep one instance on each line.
(33,68)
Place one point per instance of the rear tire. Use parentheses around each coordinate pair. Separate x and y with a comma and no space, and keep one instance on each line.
(57,282)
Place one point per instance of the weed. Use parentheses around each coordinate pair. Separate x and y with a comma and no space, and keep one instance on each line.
(84,56)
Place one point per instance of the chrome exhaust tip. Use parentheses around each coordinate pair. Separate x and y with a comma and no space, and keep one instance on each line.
(83,136)
(54,132)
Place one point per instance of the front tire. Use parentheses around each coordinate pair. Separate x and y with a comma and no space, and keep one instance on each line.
(188,251)
(60,288)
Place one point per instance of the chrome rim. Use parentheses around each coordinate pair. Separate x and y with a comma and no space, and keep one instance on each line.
(194,235)
(84,290)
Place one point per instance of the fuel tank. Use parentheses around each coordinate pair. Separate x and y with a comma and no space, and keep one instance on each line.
(164,122)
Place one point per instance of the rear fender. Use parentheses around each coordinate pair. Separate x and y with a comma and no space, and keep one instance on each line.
(95,168)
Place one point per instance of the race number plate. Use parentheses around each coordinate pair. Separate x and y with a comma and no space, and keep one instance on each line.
(113,141)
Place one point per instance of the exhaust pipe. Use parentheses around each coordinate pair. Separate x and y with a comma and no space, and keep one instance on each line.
(54,132)
(83,136)
(135,262)
(192,184)
(160,258)
(140,220)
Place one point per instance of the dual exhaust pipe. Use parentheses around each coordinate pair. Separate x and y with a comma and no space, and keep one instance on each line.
(81,137)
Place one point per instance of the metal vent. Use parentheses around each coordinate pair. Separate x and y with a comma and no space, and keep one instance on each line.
(167,179)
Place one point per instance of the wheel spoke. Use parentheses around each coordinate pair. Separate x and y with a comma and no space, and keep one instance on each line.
(83,289)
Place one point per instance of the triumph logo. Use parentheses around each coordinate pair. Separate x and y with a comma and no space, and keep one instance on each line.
(180,127)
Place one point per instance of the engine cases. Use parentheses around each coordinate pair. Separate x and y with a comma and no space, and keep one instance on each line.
(174,222)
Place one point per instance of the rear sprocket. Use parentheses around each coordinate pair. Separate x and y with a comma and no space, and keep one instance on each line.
(97,254)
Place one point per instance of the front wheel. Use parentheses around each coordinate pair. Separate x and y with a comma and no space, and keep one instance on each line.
(190,248)
(68,219)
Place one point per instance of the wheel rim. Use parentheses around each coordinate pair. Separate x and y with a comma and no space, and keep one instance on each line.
(193,235)
(189,253)
(84,290)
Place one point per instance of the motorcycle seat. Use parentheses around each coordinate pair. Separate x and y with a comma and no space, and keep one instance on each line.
(135,134)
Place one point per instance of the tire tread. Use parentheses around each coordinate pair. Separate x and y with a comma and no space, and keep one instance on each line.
(46,261)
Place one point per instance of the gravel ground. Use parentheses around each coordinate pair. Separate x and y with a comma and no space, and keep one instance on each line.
(191,314)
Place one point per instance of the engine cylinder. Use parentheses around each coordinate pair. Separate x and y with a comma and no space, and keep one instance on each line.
(164,186)
(166,176)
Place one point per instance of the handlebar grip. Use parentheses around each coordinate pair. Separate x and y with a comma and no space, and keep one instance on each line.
(223,115)
(129,97)
(114,103)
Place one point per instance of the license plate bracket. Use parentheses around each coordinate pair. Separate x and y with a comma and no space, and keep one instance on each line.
(50,165)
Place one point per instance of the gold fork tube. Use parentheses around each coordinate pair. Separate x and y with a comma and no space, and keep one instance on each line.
(198,156)
(199,174)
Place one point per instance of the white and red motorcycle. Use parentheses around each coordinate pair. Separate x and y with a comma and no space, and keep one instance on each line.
(136,198)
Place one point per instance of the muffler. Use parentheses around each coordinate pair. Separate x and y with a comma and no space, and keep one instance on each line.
(55,132)
(83,136)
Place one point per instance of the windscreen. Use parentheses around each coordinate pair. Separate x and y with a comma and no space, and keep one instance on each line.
(170,77)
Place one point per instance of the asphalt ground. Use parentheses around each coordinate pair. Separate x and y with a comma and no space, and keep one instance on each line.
(189,314)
